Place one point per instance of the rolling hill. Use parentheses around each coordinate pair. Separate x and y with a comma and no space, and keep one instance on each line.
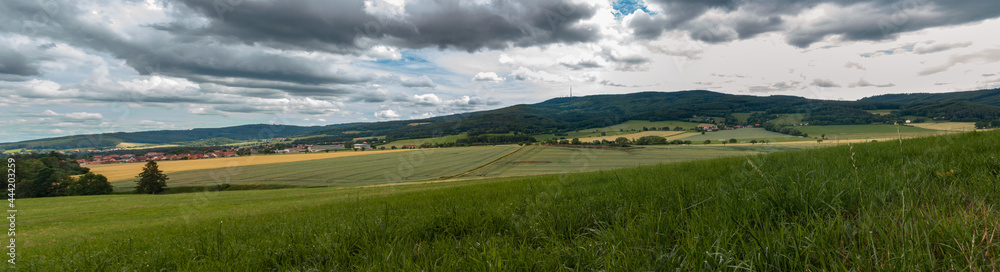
(103,140)
(587,112)
(987,97)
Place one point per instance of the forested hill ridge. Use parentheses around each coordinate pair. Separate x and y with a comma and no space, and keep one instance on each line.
(104,140)
(594,111)
(574,113)
(988,97)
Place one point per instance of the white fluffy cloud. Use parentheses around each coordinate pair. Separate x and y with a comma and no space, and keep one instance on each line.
(387,114)
(488,77)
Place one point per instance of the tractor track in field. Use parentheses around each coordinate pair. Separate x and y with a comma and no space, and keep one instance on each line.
(485,165)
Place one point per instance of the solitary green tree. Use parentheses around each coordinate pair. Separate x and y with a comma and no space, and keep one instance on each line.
(151,180)
(91,184)
(708,141)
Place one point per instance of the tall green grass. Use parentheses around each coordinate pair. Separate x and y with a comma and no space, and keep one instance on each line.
(930,205)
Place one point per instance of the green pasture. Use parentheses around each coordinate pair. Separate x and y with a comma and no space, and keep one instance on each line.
(625,128)
(874,131)
(789,119)
(418,142)
(925,204)
(743,135)
(539,160)
(371,169)
(741,116)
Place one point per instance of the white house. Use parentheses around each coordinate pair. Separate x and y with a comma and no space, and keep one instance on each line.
(318,148)
(362,146)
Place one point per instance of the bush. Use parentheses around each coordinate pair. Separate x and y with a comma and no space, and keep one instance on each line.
(91,184)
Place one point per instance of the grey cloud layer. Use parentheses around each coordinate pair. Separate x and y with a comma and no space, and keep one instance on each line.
(243,44)
(15,63)
(857,20)
(337,26)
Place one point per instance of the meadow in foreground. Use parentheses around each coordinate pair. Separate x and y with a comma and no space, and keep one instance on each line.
(919,204)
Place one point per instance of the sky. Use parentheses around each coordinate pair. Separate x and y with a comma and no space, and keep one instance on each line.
(95,66)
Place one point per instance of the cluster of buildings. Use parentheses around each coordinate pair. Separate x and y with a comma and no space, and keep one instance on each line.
(318,148)
(156,156)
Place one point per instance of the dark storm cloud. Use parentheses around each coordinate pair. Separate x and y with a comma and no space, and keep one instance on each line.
(15,63)
(233,43)
(337,26)
(676,13)
(859,20)
(749,28)
(267,87)
(158,53)
(500,24)
(293,24)
(379,97)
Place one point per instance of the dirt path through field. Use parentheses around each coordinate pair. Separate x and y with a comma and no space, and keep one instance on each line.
(486,165)
(662,133)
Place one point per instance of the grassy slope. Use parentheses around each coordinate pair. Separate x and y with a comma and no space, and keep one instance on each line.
(742,116)
(789,119)
(376,168)
(620,129)
(418,142)
(743,134)
(124,173)
(539,160)
(796,211)
(844,132)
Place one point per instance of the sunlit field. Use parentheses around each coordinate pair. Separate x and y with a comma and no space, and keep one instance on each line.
(923,204)
(126,171)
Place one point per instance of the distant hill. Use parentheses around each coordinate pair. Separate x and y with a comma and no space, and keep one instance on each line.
(576,113)
(105,140)
(987,97)
(958,111)
(573,113)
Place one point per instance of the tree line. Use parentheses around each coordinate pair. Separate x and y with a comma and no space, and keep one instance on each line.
(52,175)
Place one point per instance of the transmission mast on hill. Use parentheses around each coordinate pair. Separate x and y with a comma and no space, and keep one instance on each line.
(570,91)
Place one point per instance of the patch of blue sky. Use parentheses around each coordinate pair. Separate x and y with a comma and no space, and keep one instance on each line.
(622,8)
(412,64)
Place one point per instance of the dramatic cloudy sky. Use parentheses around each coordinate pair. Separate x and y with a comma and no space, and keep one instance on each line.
(89,66)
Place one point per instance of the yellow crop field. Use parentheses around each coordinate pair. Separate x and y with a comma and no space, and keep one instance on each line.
(124,144)
(125,171)
(948,126)
(662,133)
(127,145)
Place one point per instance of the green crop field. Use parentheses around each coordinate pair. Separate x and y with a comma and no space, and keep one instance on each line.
(789,119)
(383,168)
(851,132)
(538,160)
(418,142)
(880,112)
(925,204)
(743,134)
(742,116)
(628,127)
